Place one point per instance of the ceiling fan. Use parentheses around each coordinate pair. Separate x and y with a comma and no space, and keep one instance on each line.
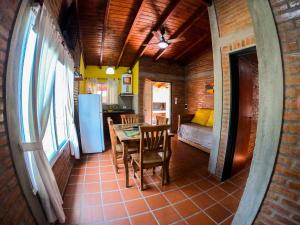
(162,41)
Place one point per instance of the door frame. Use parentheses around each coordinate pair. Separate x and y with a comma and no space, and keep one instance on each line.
(171,98)
(234,108)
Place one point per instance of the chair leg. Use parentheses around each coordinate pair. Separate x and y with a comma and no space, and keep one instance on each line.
(142,178)
(115,162)
(163,175)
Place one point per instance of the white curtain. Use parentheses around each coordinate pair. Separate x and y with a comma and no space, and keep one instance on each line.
(92,86)
(69,67)
(112,95)
(48,49)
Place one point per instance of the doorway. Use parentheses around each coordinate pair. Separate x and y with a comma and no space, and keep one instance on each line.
(244,111)
(157,100)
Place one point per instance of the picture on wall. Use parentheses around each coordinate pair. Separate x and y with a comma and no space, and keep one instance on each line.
(209,87)
(127,80)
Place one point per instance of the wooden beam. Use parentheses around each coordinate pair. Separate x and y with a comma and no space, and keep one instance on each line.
(134,21)
(190,47)
(105,21)
(185,27)
(164,17)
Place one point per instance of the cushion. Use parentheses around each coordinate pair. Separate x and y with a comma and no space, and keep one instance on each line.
(210,121)
(201,116)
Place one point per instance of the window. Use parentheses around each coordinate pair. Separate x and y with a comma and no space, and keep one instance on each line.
(60,104)
(27,69)
(102,90)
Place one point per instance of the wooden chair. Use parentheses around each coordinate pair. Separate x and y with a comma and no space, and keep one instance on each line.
(150,154)
(129,118)
(161,120)
(117,151)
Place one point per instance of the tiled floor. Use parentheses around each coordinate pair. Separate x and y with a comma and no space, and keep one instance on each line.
(97,195)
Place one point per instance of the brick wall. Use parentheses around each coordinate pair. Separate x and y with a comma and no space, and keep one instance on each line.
(235,22)
(232,17)
(163,71)
(10,191)
(282,203)
(198,74)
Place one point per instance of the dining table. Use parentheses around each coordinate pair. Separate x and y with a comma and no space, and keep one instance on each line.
(129,135)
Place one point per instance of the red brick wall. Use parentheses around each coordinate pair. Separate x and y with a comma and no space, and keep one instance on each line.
(198,73)
(233,16)
(162,71)
(13,207)
(282,203)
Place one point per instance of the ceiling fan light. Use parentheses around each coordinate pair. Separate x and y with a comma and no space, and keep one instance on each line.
(110,70)
(163,44)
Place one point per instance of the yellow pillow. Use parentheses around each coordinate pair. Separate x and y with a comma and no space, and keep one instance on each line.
(210,122)
(201,116)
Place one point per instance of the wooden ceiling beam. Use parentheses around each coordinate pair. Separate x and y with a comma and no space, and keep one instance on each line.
(134,21)
(197,15)
(105,21)
(163,18)
(190,47)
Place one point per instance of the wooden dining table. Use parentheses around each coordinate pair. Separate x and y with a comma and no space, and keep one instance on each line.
(134,140)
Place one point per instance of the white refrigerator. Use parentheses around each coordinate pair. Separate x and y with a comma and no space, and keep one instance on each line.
(91,123)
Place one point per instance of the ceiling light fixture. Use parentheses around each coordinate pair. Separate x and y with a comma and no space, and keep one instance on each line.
(110,70)
(163,44)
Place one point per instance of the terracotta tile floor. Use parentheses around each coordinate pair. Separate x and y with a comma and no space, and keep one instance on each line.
(97,195)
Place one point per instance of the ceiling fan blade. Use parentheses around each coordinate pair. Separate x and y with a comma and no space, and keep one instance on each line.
(151,44)
(156,34)
(176,40)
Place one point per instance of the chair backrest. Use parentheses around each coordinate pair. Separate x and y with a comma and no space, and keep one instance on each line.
(161,120)
(112,134)
(152,138)
(129,118)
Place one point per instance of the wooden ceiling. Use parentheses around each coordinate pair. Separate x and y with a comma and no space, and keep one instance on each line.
(114,32)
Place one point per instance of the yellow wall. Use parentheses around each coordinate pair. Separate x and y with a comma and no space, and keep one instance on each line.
(97,72)
(82,72)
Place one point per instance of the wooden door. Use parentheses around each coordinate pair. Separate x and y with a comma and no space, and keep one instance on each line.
(243,112)
(147,101)
(248,72)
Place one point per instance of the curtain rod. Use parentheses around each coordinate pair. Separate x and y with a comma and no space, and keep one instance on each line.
(104,78)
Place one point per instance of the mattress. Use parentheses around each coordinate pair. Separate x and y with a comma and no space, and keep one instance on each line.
(196,133)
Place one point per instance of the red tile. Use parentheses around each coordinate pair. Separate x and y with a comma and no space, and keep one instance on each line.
(186,208)
(166,215)
(204,184)
(136,207)
(114,211)
(78,171)
(203,201)
(92,170)
(191,190)
(150,190)
(107,169)
(108,177)
(238,194)
(91,214)
(93,178)
(230,203)
(92,164)
(109,186)
(228,187)
(174,196)
(72,216)
(130,193)
(76,179)
(91,199)
(111,197)
(105,163)
(217,193)
(167,187)
(120,222)
(157,201)
(92,188)
(72,201)
(143,219)
(205,220)
(74,189)
(218,213)
(228,221)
